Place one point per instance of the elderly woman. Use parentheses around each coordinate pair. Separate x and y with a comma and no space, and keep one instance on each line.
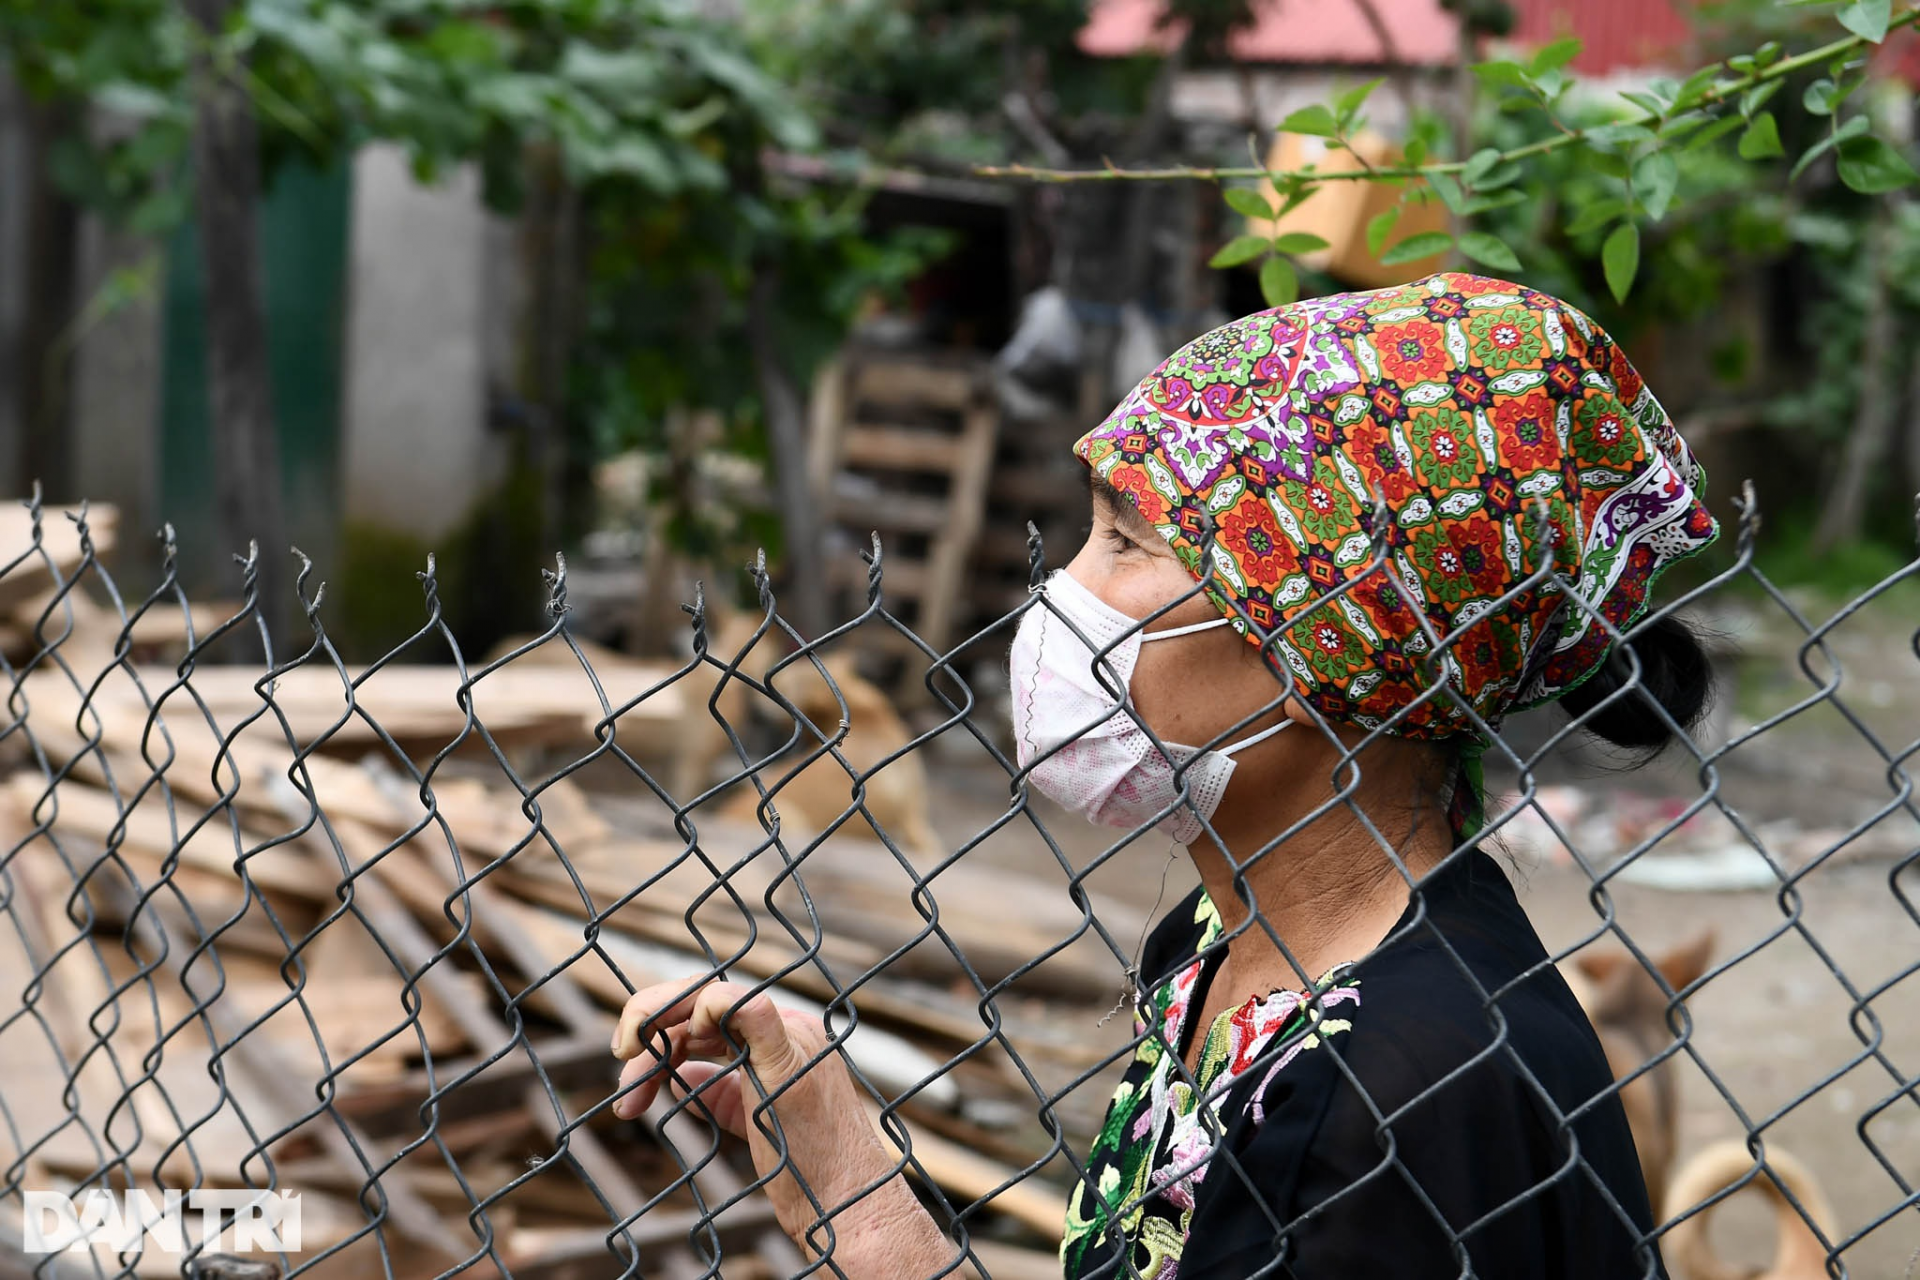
(1381,521)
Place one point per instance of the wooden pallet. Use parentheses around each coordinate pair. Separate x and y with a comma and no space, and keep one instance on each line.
(903,444)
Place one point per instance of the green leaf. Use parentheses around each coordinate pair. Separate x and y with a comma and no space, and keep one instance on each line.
(1279,282)
(1811,154)
(1647,102)
(1240,249)
(1609,164)
(1502,73)
(1315,121)
(1249,203)
(1867,18)
(135,101)
(1821,97)
(1379,227)
(1596,215)
(1551,57)
(1873,167)
(1489,249)
(1713,133)
(1448,189)
(1494,200)
(1296,242)
(1614,135)
(1654,181)
(631,155)
(1416,247)
(1758,97)
(1415,154)
(1620,255)
(1681,125)
(1769,53)
(1761,141)
(1479,165)
(1345,105)
(1696,85)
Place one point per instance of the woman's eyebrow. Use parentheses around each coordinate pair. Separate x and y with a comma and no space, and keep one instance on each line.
(1124,512)
(1126,515)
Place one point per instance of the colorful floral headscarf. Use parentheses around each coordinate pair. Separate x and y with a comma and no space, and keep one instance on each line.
(1462,404)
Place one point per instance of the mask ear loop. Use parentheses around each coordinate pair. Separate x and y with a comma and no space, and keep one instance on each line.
(1186,630)
(1262,736)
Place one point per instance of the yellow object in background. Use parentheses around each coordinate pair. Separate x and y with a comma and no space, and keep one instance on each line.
(1338,212)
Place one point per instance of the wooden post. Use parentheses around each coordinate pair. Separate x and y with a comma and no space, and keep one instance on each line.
(246,454)
(804,603)
(42,373)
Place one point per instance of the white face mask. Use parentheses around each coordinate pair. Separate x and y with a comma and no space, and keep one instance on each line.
(1109,772)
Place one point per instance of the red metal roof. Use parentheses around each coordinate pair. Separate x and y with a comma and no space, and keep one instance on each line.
(1619,34)
(1311,31)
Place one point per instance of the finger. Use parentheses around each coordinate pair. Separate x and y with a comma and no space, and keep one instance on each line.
(725,1011)
(718,1101)
(647,1070)
(665,1004)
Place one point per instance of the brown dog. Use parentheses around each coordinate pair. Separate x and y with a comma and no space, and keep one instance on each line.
(1629,1011)
(1797,1253)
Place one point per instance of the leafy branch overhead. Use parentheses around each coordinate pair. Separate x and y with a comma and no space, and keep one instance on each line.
(1637,151)
(642,91)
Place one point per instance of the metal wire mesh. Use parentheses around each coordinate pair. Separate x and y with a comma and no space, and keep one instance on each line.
(266,934)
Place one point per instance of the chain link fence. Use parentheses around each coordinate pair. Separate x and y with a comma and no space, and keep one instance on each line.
(281,923)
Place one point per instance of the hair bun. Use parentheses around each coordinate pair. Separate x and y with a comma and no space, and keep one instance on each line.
(1675,676)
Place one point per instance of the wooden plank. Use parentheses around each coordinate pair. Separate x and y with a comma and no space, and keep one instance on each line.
(486,821)
(59,541)
(583,1148)
(947,565)
(971,1177)
(900,578)
(826,417)
(918,380)
(537,704)
(85,819)
(890,448)
(1011,1262)
(890,512)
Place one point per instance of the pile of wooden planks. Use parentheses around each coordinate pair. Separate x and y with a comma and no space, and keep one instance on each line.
(243,941)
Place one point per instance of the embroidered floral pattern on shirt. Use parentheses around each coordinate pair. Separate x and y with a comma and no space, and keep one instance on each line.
(1154,1150)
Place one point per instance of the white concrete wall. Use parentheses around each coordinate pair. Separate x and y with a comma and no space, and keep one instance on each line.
(416,450)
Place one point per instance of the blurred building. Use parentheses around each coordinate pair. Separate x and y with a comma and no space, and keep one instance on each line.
(384,310)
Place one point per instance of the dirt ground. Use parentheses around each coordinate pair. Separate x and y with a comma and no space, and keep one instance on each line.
(1810,1026)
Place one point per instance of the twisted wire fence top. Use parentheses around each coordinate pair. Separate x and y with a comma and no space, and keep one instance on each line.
(274,920)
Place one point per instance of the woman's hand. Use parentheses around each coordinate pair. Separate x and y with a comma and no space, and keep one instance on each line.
(821,1114)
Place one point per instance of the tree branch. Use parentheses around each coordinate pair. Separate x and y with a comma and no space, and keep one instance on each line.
(1716,95)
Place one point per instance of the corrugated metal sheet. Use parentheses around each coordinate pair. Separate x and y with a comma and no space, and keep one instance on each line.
(1619,34)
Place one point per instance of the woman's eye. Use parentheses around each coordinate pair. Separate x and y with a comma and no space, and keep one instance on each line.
(1116,539)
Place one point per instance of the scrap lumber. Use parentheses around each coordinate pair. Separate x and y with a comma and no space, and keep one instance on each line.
(29,567)
(549,705)
(459,956)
